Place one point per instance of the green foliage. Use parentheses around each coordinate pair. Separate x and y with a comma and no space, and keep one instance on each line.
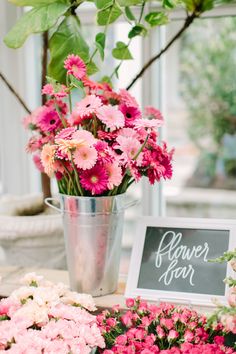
(108,15)
(65,40)
(103,4)
(121,51)
(35,3)
(37,20)
(100,43)
(156,19)
(129,14)
(129,2)
(208,81)
(138,30)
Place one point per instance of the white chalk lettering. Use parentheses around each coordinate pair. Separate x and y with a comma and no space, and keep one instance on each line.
(174,252)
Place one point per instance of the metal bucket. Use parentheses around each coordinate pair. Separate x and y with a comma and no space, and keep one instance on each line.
(93,228)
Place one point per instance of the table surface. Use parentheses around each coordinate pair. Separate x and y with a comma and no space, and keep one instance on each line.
(10,280)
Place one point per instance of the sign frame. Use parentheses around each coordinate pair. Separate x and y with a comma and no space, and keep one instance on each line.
(132,289)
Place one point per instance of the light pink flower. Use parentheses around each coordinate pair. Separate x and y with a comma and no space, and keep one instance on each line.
(94,180)
(75,66)
(59,92)
(147,123)
(65,133)
(130,148)
(173,334)
(111,117)
(127,99)
(114,172)
(38,162)
(87,106)
(85,157)
(48,158)
(84,135)
(153,113)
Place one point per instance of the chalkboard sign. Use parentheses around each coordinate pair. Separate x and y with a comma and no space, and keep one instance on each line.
(170,259)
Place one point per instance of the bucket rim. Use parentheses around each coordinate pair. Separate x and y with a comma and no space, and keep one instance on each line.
(92,197)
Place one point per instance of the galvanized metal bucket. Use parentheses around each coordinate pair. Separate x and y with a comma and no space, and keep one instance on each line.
(93,228)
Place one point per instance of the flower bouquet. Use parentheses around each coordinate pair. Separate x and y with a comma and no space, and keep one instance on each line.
(103,144)
(96,149)
(42,317)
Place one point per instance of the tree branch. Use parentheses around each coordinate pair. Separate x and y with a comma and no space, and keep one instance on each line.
(189,20)
(45,180)
(13,91)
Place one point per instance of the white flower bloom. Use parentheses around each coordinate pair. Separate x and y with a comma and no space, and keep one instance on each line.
(30,278)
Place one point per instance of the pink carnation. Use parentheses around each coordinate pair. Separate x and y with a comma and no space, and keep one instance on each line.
(75,66)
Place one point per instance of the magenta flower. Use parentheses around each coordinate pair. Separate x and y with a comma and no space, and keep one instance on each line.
(75,66)
(48,120)
(131,114)
(94,180)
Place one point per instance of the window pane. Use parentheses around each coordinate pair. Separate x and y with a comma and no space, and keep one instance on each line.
(200,109)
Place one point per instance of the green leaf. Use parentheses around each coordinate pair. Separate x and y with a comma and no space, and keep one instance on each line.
(91,68)
(67,39)
(106,79)
(37,20)
(129,2)
(35,3)
(156,19)
(121,51)
(138,30)
(100,41)
(102,4)
(108,15)
(129,14)
(76,83)
(169,4)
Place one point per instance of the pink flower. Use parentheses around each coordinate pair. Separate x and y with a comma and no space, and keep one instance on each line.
(105,153)
(48,158)
(146,123)
(84,135)
(167,322)
(127,99)
(121,340)
(130,148)
(48,119)
(75,66)
(232,297)
(130,302)
(131,114)
(173,334)
(219,340)
(114,172)
(153,113)
(111,322)
(160,332)
(188,336)
(65,133)
(38,163)
(59,92)
(87,106)
(94,180)
(126,319)
(111,117)
(85,157)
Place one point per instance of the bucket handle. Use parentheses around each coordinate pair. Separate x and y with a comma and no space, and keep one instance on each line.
(132,203)
(49,203)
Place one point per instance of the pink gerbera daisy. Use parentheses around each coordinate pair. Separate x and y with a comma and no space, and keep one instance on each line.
(130,148)
(84,135)
(153,113)
(48,119)
(65,133)
(127,99)
(114,175)
(48,158)
(147,123)
(131,114)
(62,106)
(88,106)
(59,91)
(105,153)
(75,66)
(111,117)
(94,180)
(85,157)
(38,162)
